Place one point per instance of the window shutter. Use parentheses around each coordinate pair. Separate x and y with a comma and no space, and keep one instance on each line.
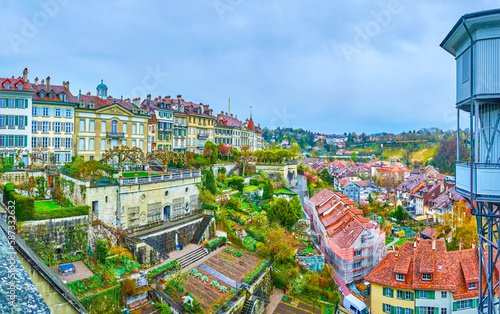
(16,140)
(25,121)
(436,310)
(26,103)
(384,291)
(16,103)
(6,141)
(474,304)
(72,127)
(392,293)
(393,309)
(411,311)
(6,121)
(6,104)
(417,294)
(39,125)
(383,306)
(411,296)
(26,141)
(454,306)
(417,310)
(430,295)
(16,121)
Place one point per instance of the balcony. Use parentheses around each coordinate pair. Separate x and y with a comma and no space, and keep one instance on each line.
(115,134)
(180,124)
(203,136)
(486,181)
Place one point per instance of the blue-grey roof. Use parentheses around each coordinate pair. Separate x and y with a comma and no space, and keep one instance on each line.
(27,299)
(460,22)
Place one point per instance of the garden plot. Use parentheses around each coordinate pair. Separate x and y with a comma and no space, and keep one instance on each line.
(233,267)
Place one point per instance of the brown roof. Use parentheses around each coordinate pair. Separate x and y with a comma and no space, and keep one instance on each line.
(450,270)
(53,97)
(13,84)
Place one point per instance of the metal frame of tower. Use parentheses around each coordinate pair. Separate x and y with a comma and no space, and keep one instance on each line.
(483,128)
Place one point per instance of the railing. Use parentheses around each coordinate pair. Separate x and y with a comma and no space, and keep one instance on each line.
(486,180)
(115,134)
(180,124)
(202,135)
(160,178)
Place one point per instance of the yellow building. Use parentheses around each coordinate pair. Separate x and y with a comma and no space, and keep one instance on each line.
(389,299)
(223,134)
(102,122)
(52,125)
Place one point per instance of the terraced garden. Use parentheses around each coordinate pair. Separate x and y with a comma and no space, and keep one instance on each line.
(234,267)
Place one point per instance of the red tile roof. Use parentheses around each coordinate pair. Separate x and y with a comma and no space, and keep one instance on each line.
(57,89)
(13,83)
(450,270)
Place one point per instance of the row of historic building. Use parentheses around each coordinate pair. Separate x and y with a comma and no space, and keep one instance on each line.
(49,120)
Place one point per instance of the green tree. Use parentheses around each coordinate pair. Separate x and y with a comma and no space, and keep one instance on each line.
(325,176)
(296,287)
(101,250)
(268,192)
(284,213)
(354,156)
(211,151)
(210,181)
(6,163)
(236,182)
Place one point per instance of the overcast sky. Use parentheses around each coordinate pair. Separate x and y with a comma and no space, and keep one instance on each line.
(326,65)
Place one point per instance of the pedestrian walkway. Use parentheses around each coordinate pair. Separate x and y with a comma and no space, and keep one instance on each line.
(392,243)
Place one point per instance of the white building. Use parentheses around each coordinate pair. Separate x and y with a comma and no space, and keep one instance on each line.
(15,116)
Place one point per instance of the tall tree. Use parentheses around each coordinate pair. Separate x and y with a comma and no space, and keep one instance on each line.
(210,181)
(245,158)
(119,155)
(446,154)
(284,213)
(268,191)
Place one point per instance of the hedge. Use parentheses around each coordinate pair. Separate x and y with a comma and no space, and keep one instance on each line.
(24,205)
(62,212)
(168,266)
(104,301)
(257,236)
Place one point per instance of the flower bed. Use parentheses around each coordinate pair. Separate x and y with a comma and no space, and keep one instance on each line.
(217,243)
(257,270)
(168,266)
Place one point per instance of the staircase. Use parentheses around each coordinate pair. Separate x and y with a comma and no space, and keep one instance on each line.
(198,235)
(192,257)
(248,306)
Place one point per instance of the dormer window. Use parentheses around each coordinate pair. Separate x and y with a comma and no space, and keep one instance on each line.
(426,277)
(400,277)
(19,86)
(82,105)
(472,285)
(42,94)
(62,97)
(7,85)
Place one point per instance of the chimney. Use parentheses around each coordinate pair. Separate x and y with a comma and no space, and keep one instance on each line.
(434,241)
(460,244)
(66,85)
(36,81)
(473,244)
(179,97)
(88,93)
(156,101)
(43,82)
(25,75)
(149,97)
(397,251)
(47,83)
(231,114)
(167,98)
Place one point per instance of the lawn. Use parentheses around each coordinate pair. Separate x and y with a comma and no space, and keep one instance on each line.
(424,154)
(250,188)
(284,191)
(139,174)
(46,206)
(400,242)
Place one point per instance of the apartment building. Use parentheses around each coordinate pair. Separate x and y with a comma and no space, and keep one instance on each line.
(103,122)
(52,125)
(352,244)
(15,116)
(423,277)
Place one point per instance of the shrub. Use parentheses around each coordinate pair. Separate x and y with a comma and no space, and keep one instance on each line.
(24,205)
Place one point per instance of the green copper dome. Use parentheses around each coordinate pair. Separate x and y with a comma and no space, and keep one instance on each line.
(102,86)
